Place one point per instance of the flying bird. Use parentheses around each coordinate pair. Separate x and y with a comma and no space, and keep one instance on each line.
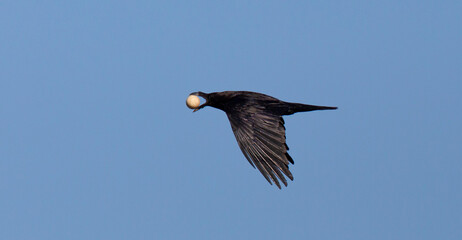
(257,123)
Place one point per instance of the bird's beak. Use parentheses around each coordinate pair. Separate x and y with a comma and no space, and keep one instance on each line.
(202,95)
(200,107)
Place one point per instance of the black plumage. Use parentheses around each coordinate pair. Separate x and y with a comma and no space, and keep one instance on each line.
(256,120)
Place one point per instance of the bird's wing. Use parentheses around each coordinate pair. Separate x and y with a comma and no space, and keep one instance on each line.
(261,137)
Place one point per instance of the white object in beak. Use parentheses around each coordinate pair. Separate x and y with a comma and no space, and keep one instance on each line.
(193,101)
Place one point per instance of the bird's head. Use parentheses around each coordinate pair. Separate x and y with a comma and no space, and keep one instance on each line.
(193,101)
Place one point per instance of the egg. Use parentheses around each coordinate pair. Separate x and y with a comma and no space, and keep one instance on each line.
(193,101)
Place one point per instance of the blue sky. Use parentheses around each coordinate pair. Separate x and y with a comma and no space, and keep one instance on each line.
(96,141)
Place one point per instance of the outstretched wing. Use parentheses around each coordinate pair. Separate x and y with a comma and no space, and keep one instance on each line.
(261,137)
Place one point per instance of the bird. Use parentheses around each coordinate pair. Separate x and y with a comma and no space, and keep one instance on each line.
(257,123)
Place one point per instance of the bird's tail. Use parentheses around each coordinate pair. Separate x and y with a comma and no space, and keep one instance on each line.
(298,107)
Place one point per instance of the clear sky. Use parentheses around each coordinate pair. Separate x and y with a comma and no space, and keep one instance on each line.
(96,141)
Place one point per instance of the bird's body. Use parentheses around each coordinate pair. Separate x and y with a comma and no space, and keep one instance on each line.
(257,123)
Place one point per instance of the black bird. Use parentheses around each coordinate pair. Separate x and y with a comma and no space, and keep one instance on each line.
(257,123)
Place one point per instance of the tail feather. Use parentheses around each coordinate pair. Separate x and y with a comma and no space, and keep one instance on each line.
(298,107)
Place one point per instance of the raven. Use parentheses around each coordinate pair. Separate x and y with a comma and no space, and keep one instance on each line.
(257,123)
